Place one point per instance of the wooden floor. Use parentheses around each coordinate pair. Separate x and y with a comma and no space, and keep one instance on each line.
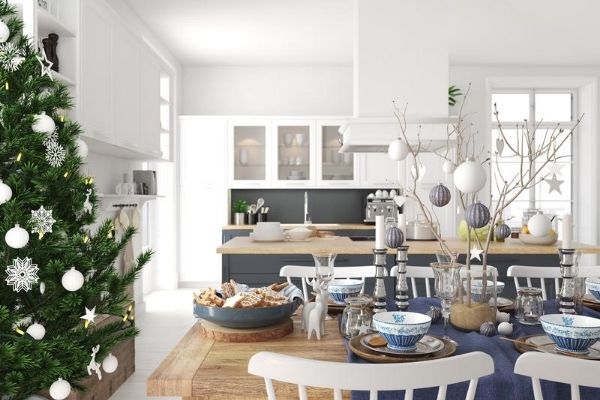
(168,319)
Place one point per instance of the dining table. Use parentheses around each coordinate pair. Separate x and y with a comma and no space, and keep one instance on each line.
(202,368)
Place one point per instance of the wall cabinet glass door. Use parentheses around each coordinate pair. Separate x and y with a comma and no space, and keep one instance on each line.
(249,154)
(334,168)
(295,152)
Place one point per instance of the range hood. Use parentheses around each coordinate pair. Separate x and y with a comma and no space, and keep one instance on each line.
(400,54)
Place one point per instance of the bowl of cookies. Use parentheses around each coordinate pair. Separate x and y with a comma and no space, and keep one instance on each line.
(237,306)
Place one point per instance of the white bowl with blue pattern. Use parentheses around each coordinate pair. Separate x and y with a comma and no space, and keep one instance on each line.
(340,289)
(571,333)
(402,330)
(477,290)
(593,286)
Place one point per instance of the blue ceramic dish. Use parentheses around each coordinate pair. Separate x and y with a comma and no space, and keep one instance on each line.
(340,289)
(402,330)
(246,317)
(593,285)
(571,333)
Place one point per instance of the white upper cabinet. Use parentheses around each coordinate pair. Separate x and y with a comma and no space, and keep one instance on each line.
(334,168)
(249,147)
(379,170)
(150,102)
(294,144)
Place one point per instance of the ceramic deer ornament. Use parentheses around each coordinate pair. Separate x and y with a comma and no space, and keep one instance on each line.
(314,318)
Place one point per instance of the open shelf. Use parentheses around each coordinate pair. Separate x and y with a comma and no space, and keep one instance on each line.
(48,23)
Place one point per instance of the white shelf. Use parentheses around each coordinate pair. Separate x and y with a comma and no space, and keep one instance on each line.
(129,196)
(60,77)
(48,23)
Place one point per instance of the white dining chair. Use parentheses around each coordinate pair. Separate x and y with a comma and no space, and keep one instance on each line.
(558,368)
(413,273)
(542,273)
(306,273)
(340,376)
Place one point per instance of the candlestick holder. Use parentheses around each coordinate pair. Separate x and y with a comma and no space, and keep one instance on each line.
(401,284)
(569,268)
(379,293)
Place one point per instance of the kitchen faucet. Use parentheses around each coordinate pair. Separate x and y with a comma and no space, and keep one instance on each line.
(306,214)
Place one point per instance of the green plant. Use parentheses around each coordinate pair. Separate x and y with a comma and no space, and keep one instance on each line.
(240,206)
(453,93)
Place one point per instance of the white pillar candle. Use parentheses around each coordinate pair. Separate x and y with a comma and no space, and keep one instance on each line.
(379,232)
(402,226)
(567,231)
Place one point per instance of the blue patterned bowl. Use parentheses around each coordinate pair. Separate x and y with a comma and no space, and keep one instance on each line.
(571,333)
(593,285)
(402,330)
(340,289)
(477,290)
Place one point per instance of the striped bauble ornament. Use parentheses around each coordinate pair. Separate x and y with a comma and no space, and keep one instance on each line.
(502,231)
(440,195)
(394,237)
(477,215)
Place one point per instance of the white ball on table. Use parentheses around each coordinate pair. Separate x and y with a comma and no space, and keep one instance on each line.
(505,328)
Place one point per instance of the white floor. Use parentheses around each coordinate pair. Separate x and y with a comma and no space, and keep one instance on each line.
(167,318)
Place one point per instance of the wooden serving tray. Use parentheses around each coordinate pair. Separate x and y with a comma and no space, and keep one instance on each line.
(522,347)
(365,353)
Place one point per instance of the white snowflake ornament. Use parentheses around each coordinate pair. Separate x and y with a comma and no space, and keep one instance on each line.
(41,221)
(55,154)
(11,57)
(22,274)
(51,139)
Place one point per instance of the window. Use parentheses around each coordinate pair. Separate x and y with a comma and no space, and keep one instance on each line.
(546,108)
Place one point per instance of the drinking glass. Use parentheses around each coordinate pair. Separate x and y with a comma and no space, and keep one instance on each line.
(357,316)
(447,257)
(447,282)
(530,305)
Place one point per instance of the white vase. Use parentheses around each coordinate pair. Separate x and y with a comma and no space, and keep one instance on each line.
(243,156)
(288,139)
(300,139)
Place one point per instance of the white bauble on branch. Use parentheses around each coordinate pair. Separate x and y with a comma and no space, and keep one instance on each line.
(72,280)
(470,176)
(16,237)
(110,364)
(448,167)
(60,389)
(539,225)
(42,123)
(398,150)
(36,331)
(5,192)
(82,149)
(4,32)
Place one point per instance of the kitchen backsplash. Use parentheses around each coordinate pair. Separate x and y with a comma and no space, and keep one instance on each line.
(324,205)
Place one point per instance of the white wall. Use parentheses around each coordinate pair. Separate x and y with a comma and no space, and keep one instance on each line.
(231,90)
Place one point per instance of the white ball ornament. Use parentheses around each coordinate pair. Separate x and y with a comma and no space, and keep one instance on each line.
(505,328)
(502,316)
(539,225)
(398,150)
(36,331)
(60,389)
(5,192)
(4,32)
(470,177)
(43,124)
(110,364)
(72,280)
(448,167)
(82,149)
(16,237)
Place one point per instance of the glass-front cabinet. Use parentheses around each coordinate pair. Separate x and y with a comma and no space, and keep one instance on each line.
(295,150)
(249,153)
(334,168)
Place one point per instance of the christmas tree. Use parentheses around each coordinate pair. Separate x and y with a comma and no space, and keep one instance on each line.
(57,274)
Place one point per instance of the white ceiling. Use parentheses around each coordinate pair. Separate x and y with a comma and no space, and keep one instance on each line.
(319,32)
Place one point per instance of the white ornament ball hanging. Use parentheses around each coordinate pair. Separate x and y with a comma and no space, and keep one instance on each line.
(398,150)
(505,328)
(82,149)
(448,167)
(5,192)
(16,237)
(4,32)
(36,331)
(110,364)
(502,316)
(539,225)
(43,124)
(60,389)
(72,280)
(470,177)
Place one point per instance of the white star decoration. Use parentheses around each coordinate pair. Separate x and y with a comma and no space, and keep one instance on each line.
(45,64)
(89,316)
(554,169)
(554,184)
(476,253)
(22,274)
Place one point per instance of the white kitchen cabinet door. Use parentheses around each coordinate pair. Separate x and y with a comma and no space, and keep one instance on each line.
(294,153)
(95,105)
(334,169)
(379,170)
(149,102)
(249,153)
(126,87)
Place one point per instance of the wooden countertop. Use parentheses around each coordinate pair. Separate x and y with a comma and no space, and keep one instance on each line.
(323,227)
(201,368)
(343,245)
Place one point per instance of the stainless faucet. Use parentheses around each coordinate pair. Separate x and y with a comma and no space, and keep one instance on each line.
(306,214)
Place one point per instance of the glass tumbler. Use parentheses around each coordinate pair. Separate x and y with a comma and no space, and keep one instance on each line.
(357,316)
(530,305)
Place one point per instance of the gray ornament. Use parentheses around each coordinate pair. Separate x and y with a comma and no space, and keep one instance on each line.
(477,215)
(435,313)
(440,195)
(488,329)
(393,237)
(502,231)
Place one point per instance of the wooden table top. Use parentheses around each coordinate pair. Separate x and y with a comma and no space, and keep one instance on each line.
(343,245)
(321,227)
(199,368)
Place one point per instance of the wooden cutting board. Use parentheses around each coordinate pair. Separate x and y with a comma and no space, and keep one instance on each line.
(222,334)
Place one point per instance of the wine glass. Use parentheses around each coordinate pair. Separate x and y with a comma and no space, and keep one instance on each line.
(447,282)
(447,256)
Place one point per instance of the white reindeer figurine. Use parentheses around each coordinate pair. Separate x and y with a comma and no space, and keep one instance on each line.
(314,316)
(93,365)
(321,287)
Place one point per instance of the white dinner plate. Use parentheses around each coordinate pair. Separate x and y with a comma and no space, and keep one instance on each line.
(427,345)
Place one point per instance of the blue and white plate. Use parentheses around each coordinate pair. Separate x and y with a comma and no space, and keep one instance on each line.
(571,333)
(427,345)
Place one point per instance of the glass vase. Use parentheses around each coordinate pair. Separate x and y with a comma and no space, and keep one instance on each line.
(475,301)
(447,283)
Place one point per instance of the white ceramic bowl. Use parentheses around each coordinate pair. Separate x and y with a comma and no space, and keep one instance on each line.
(268,227)
(477,290)
(593,285)
(299,233)
(402,330)
(571,333)
(340,289)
